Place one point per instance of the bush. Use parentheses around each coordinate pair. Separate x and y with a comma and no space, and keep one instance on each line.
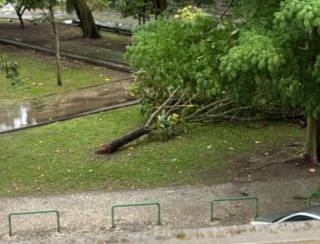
(182,51)
(10,70)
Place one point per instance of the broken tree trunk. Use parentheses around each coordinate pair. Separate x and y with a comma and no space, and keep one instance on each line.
(146,129)
(116,144)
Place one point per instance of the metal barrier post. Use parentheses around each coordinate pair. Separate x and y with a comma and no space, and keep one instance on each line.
(228,199)
(136,205)
(32,213)
(311,196)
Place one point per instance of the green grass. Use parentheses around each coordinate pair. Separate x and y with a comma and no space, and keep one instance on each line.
(60,157)
(39,75)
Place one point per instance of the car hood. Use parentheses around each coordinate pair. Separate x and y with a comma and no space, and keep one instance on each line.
(271,218)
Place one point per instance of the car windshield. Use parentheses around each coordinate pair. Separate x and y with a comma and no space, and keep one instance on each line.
(299,218)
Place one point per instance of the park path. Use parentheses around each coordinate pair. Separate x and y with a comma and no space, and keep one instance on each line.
(78,103)
(182,207)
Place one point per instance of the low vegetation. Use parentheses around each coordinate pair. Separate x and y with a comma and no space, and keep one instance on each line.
(39,76)
(60,157)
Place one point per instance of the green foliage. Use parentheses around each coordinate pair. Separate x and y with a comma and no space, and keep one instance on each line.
(21,6)
(28,4)
(179,52)
(254,11)
(140,9)
(58,158)
(296,14)
(11,70)
(251,66)
(280,56)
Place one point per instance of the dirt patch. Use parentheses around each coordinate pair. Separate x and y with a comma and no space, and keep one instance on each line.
(267,163)
(108,48)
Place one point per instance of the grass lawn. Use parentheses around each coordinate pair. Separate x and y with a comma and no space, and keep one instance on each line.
(60,157)
(38,73)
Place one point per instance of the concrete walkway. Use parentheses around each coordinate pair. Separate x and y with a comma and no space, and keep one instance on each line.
(78,103)
(182,208)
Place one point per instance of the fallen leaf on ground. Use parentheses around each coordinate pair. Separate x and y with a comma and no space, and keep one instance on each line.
(312,170)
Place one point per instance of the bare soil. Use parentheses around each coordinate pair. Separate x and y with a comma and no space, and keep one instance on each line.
(109,48)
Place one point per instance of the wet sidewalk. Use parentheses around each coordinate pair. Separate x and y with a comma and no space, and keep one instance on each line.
(75,104)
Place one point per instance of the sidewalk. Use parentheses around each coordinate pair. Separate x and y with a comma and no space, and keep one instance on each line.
(182,208)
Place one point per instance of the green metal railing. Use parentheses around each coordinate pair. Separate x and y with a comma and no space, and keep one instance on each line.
(312,196)
(32,213)
(136,205)
(231,199)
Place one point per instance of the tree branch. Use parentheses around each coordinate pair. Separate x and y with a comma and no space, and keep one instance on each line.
(155,113)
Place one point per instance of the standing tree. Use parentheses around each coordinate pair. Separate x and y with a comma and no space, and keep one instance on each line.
(56,34)
(140,9)
(21,6)
(49,6)
(277,60)
(87,23)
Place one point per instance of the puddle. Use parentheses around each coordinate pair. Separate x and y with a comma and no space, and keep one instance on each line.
(78,103)
(15,117)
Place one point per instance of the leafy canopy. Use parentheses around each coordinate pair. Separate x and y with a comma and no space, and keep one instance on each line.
(281,57)
(179,52)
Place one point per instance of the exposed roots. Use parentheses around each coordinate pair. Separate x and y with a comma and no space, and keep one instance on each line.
(299,158)
(302,158)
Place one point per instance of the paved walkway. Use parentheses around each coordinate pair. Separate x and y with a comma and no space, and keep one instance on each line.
(67,106)
(184,207)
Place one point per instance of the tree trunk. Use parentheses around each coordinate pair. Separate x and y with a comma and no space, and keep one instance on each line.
(20,11)
(160,6)
(318,139)
(311,148)
(56,34)
(116,144)
(87,23)
(20,20)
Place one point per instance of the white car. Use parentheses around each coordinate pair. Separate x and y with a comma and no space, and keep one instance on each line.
(312,213)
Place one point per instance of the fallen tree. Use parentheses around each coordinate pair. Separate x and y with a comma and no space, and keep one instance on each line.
(178,109)
(182,76)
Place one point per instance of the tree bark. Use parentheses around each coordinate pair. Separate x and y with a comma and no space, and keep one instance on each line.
(87,23)
(160,6)
(58,56)
(146,129)
(116,144)
(318,140)
(312,138)
(20,11)
(20,20)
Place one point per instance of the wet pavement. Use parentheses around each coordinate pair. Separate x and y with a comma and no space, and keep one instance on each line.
(78,103)
(16,116)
